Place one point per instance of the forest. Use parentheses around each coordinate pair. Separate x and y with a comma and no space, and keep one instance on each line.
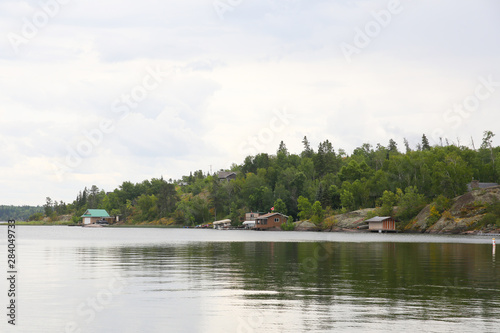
(21,213)
(315,184)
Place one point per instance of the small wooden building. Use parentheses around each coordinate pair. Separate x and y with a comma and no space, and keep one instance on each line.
(271,220)
(382,224)
(91,216)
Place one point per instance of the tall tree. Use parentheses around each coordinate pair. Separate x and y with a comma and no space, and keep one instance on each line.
(307,151)
(425,143)
(392,147)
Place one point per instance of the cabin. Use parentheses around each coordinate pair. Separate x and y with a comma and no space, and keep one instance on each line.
(382,224)
(222,224)
(91,216)
(271,220)
(226,175)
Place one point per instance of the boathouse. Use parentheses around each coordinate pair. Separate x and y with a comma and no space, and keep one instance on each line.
(271,220)
(382,224)
(91,216)
(222,224)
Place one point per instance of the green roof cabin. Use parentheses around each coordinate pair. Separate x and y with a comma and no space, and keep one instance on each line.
(91,216)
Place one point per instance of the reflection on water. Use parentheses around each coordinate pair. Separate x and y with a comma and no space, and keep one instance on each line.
(140,280)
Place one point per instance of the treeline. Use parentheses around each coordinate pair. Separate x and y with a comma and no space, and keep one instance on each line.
(18,213)
(312,184)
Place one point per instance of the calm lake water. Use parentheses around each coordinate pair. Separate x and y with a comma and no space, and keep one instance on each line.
(75,279)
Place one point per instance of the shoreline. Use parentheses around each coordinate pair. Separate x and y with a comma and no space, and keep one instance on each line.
(337,230)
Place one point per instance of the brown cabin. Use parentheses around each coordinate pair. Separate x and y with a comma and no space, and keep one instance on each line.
(381,224)
(271,220)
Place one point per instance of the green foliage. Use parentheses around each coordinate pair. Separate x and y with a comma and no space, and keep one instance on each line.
(410,203)
(19,213)
(370,177)
(389,200)
(347,200)
(36,217)
(318,213)
(288,226)
(280,206)
(492,216)
(305,208)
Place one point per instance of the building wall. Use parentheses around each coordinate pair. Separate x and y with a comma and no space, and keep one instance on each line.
(375,226)
(92,220)
(388,224)
(251,216)
(270,222)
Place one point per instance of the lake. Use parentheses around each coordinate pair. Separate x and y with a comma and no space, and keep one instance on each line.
(73,279)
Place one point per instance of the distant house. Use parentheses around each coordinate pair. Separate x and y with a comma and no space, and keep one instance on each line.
(475,185)
(91,216)
(381,223)
(227,175)
(271,220)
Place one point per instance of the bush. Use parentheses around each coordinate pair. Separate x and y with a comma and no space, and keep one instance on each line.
(488,219)
(36,217)
(442,203)
(492,215)
(329,222)
(288,225)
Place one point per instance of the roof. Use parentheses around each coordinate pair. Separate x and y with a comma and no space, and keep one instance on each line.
(248,222)
(226,174)
(379,219)
(96,213)
(222,221)
(478,185)
(265,216)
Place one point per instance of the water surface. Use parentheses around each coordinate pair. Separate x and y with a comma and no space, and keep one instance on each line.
(75,279)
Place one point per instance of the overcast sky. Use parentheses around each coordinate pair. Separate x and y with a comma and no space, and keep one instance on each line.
(101,92)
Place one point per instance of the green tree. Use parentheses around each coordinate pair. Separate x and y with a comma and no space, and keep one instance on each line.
(280,207)
(410,203)
(392,147)
(318,213)
(389,200)
(307,152)
(305,208)
(425,143)
(48,207)
(346,200)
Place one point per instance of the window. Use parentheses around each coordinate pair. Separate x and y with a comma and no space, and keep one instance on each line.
(264,221)
(276,219)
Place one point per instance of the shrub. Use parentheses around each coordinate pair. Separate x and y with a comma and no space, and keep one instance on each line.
(36,217)
(329,222)
(288,226)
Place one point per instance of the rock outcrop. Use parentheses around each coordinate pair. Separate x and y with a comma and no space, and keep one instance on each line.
(463,216)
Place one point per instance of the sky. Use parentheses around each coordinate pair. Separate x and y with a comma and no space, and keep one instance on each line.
(98,93)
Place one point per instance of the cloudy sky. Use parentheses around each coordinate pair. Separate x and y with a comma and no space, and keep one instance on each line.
(100,92)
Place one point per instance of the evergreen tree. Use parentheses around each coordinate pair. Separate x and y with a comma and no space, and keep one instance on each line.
(425,143)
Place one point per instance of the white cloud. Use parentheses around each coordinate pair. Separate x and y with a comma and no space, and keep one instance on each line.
(226,79)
